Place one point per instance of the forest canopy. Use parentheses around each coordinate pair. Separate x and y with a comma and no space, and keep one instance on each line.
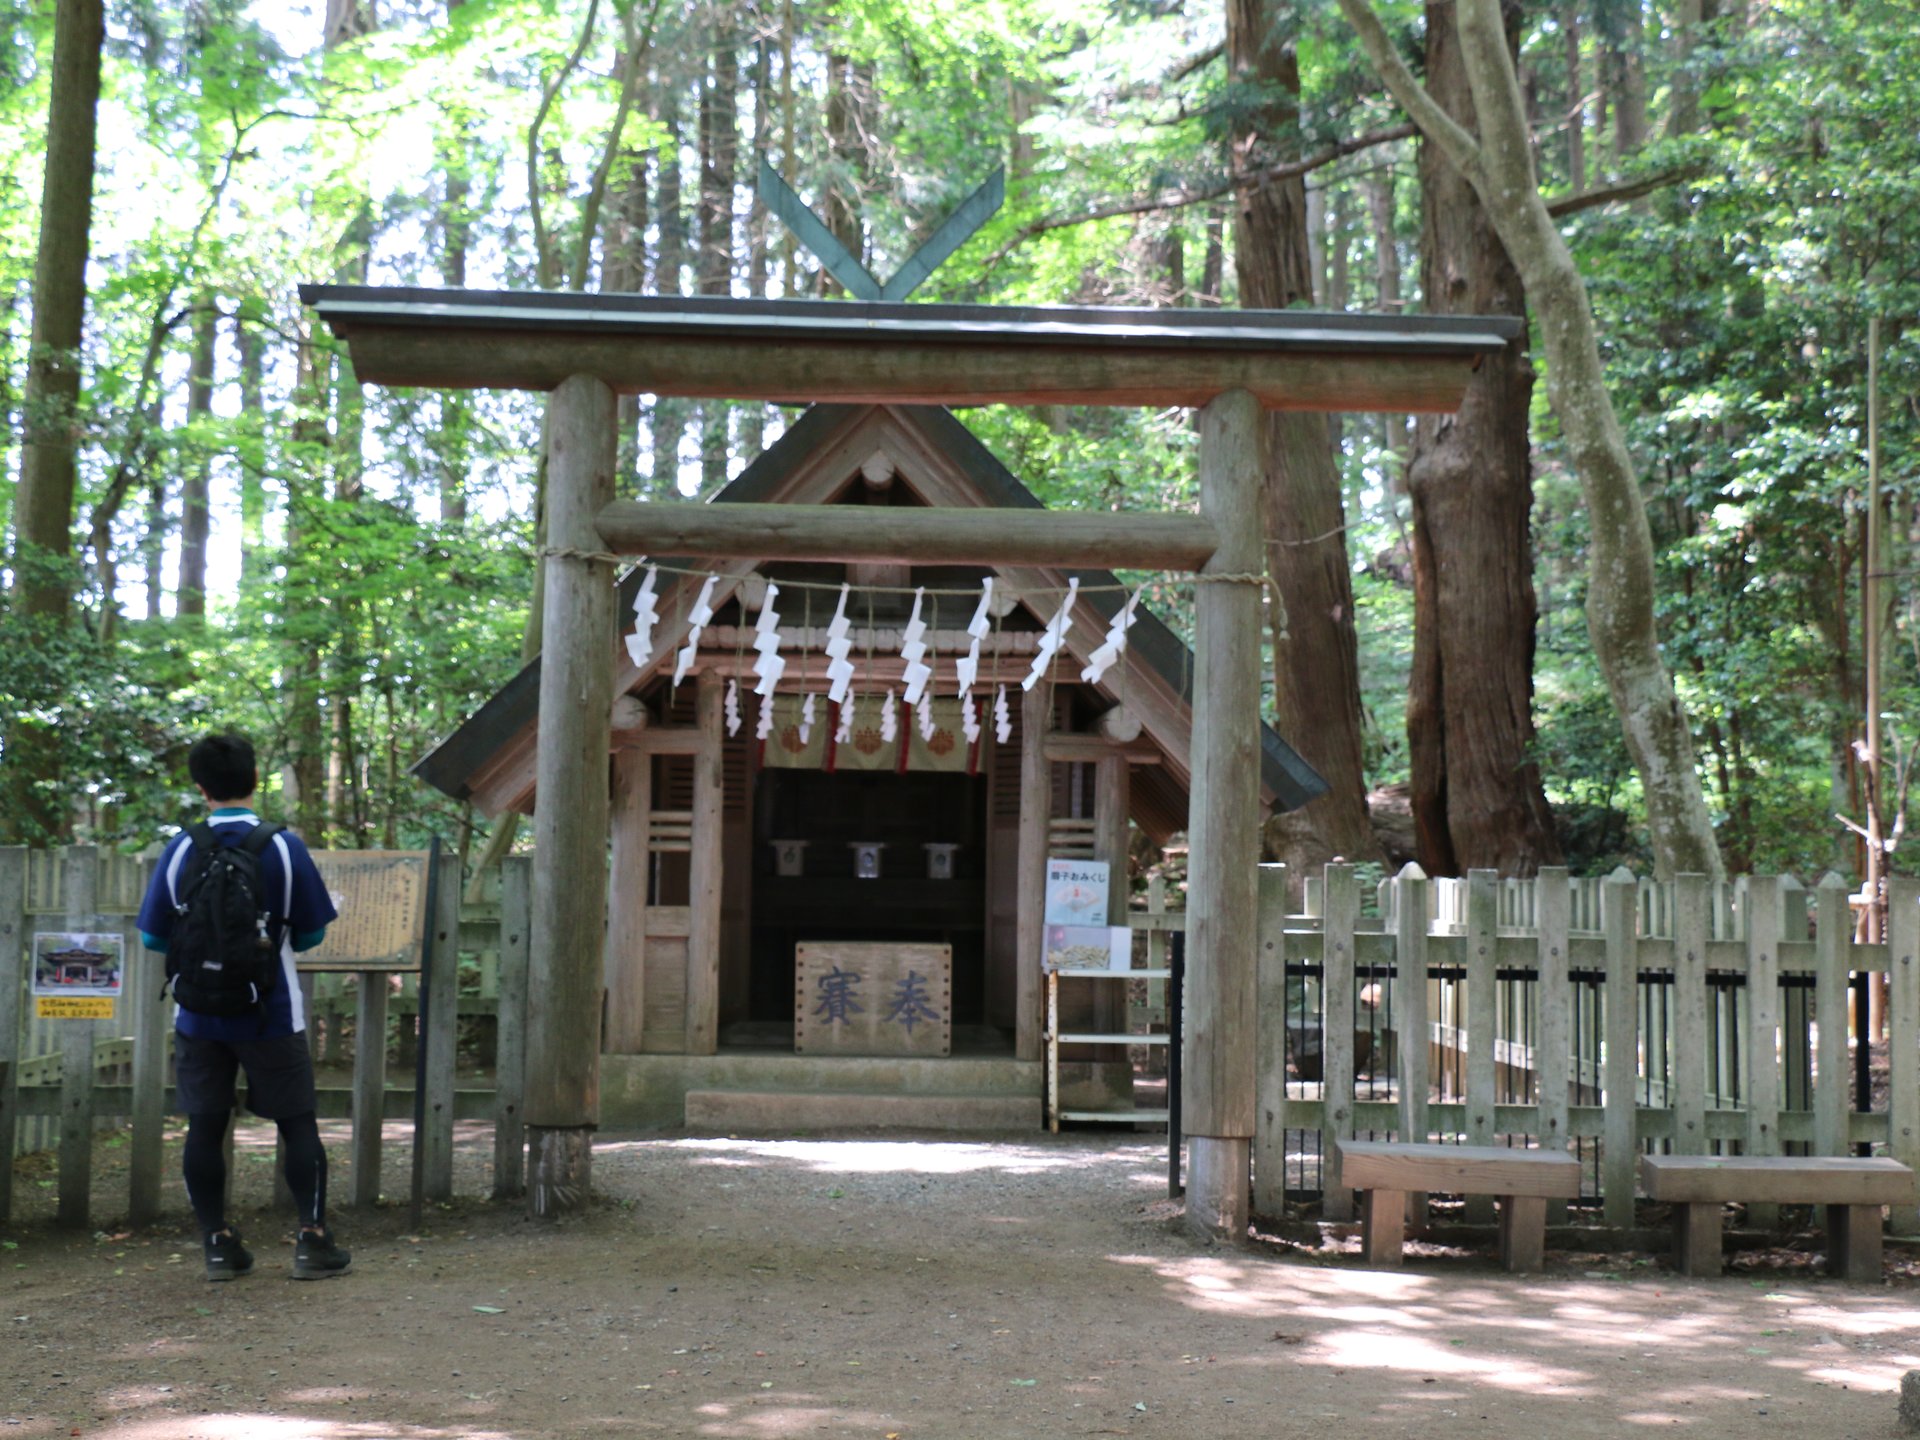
(208,520)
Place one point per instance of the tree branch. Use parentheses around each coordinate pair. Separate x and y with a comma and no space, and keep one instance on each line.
(1198,194)
(1562,206)
(638,44)
(1441,128)
(544,262)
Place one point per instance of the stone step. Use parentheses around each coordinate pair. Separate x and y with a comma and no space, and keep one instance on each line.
(786,1110)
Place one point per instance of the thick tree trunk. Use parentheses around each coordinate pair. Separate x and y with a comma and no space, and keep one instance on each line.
(1477,798)
(30,803)
(1316,664)
(190,595)
(1620,594)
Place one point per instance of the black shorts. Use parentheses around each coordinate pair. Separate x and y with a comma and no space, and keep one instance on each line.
(279,1075)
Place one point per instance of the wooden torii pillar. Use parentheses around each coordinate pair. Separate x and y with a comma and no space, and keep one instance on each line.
(578,634)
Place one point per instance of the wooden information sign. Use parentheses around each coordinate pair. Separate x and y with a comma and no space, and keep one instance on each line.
(382,899)
(873,998)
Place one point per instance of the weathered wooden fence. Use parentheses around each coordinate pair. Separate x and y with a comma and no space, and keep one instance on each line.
(62,1080)
(1609,1017)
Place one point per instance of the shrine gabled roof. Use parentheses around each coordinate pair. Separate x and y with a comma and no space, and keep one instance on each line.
(510,714)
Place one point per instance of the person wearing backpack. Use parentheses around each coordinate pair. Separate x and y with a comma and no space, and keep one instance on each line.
(231,900)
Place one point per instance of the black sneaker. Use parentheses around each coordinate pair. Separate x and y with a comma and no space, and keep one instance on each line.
(316,1257)
(227,1258)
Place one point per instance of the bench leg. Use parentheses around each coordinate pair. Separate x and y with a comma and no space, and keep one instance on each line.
(1853,1243)
(1696,1238)
(1383,1220)
(1523,1231)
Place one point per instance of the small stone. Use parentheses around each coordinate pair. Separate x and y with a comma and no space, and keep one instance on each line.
(1910,1400)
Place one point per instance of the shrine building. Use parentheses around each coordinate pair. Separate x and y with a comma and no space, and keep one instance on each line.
(754,862)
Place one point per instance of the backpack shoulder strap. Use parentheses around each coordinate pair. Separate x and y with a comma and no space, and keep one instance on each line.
(260,837)
(203,837)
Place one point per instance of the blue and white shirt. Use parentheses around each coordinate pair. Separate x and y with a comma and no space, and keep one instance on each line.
(299,910)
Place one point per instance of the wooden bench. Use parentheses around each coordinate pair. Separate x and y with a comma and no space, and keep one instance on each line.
(1522,1181)
(1853,1188)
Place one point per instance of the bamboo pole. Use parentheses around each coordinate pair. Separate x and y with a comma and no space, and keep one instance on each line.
(1223,829)
(570,823)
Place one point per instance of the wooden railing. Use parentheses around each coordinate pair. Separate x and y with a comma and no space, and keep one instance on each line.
(62,1080)
(1609,1017)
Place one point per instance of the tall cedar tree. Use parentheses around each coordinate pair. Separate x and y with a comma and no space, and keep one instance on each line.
(1315,653)
(1477,798)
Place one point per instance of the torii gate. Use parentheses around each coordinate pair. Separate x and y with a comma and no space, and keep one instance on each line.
(1230,365)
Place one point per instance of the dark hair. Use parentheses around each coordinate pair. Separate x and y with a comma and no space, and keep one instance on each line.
(222,765)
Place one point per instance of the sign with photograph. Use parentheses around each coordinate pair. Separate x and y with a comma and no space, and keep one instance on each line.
(1105,948)
(77,974)
(1076,892)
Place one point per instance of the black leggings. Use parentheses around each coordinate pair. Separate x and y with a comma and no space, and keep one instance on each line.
(205,1165)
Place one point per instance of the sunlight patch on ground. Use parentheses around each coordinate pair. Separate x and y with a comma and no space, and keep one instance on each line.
(1415,1355)
(773,1417)
(887,1157)
(236,1426)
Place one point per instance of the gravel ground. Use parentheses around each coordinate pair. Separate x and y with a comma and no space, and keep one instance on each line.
(869,1285)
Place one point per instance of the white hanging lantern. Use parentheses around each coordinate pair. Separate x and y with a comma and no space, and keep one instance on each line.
(768,665)
(698,619)
(646,615)
(1112,647)
(1053,637)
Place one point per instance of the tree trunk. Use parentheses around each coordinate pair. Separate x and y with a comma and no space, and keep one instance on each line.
(456,233)
(753,416)
(303,635)
(1386,262)
(252,451)
(669,414)
(1576,100)
(31,807)
(190,595)
(1620,594)
(843,145)
(1316,663)
(43,502)
(153,545)
(1628,76)
(719,142)
(1477,798)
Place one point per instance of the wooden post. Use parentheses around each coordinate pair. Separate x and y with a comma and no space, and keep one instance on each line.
(76,1055)
(443,1030)
(626,957)
(1903,1013)
(1832,1084)
(1619,1154)
(1112,802)
(1036,809)
(152,1021)
(13,984)
(570,822)
(510,1062)
(1341,904)
(1553,1002)
(1413,1030)
(705,865)
(1765,906)
(370,1082)
(1270,1074)
(1223,826)
(1483,1010)
(1690,1046)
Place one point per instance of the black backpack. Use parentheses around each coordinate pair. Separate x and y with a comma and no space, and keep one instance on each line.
(221,958)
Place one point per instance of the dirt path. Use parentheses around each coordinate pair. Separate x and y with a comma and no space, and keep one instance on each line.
(884,1287)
